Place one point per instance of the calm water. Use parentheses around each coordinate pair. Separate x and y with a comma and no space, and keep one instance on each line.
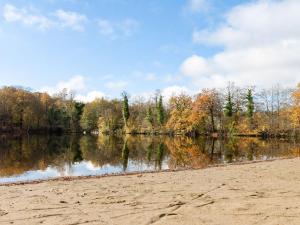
(43,157)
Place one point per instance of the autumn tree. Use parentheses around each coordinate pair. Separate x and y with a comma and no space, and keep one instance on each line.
(103,115)
(180,109)
(206,108)
(295,111)
(110,116)
(91,114)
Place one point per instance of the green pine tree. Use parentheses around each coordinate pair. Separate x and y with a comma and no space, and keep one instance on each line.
(228,109)
(149,116)
(250,104)
(160,111)
(125,108)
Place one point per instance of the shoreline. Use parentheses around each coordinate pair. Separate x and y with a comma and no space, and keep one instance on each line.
(216,135)
(73,178)
(254,193)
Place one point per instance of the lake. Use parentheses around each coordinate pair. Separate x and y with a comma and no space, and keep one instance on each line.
(44,157)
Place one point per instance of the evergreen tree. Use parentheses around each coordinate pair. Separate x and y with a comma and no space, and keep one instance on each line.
(149,115)
(76,113)
(160,111)
(125,108)
(228,109)
(250,104)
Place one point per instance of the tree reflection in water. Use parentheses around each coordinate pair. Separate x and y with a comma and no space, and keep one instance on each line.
(133,153)
(125,155)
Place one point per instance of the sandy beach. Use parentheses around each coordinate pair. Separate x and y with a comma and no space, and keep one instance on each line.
(258,193)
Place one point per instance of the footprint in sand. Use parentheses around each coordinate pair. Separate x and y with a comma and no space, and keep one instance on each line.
(3,213)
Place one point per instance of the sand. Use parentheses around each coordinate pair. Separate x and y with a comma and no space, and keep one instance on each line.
(258,193)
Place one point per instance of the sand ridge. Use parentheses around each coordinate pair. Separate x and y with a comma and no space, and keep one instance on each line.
(260,193)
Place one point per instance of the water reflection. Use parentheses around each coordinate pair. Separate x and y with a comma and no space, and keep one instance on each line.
(125,155)
(42,157)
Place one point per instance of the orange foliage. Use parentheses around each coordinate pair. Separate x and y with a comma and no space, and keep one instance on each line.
(206,107)
(186,153)
(180,110)
(295,111)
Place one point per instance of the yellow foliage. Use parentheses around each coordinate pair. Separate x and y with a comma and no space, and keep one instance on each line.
(295,111)
(205,107)
(180,110)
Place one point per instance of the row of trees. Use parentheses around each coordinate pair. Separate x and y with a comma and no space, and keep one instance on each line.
(240,111)
(119,116)
(22,110)
(234,110)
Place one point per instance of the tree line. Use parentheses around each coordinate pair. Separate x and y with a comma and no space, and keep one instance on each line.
(24,111)
(230,111)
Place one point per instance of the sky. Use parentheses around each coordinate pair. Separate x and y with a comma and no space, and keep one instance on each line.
(100,48)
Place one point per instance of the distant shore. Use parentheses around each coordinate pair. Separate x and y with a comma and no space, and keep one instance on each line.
(258,193)
(20,133)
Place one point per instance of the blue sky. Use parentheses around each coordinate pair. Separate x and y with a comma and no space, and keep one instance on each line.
(103,47)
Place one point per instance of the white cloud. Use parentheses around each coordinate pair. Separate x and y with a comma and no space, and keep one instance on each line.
(114,30)
(30,17)
(116,85)
(261,47)
(90,96)
(198,5)
(71,19)
(26,17)
(175,90)
(255,24)
(195,66)
(74,84)
(166,92)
